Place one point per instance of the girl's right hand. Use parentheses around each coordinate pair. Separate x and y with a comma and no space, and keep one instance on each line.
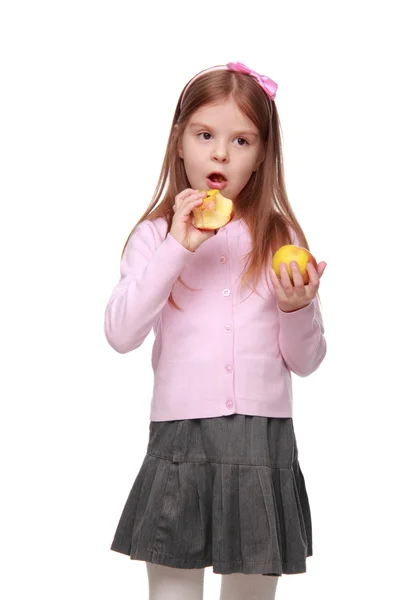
(182,228)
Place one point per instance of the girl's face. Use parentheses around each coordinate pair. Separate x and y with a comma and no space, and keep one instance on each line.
(219,138)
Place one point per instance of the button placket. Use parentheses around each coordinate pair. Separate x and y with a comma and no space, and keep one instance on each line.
(228,343)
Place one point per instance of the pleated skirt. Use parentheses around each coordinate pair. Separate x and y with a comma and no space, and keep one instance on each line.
(226,492)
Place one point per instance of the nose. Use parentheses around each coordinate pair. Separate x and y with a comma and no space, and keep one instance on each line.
(220,152)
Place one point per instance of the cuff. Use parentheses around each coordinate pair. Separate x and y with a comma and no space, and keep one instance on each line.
(298,319)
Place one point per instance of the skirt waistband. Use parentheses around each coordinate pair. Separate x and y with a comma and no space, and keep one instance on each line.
(234,439)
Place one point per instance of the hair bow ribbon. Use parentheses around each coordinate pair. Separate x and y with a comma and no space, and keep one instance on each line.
(265,82)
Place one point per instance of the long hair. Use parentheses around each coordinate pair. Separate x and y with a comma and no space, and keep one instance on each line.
(263,203)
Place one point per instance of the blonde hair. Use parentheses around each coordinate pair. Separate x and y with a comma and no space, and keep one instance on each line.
(263,203)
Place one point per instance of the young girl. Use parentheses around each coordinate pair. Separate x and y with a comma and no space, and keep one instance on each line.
(220,484)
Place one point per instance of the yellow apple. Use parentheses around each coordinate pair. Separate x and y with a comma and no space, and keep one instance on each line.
(287,253)
(215,211)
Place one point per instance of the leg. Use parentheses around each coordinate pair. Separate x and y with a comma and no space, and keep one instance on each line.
(168,583)
(239,586)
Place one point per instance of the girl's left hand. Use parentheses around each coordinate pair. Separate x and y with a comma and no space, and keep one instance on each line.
(294,296)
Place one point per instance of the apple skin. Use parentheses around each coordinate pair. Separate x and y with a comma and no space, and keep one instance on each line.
(215,211)
(287,253)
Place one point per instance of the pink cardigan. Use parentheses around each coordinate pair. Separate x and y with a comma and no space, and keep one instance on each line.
(226,352)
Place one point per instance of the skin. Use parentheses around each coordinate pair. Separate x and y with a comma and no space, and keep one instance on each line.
(219,137)
(294,296)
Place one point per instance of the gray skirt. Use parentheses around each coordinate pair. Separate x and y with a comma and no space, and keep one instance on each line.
(225,492)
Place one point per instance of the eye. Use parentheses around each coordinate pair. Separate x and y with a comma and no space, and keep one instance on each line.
(242,141)
(207,135)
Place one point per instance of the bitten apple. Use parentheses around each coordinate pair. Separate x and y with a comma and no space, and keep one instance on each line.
(215,211)
(287,253)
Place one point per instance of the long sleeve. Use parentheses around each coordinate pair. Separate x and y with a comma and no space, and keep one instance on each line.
(149,268)
(301,337)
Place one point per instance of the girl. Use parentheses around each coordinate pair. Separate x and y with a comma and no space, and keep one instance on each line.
(220,484)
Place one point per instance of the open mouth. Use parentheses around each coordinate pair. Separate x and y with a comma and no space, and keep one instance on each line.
(217,181)
(216,177)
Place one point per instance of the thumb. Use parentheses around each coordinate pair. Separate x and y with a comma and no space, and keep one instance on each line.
(321,268)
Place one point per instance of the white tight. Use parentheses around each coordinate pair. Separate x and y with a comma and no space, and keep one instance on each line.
(168,583)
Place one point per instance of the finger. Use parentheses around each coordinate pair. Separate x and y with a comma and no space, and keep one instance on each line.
(188,205)
(285,279)
(276,283)
(297,278)
(321,268)
(313,284)
(191,193)
(194,196)
(183,195)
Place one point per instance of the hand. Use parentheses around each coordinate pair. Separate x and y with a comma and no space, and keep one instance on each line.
(293,296)
(182,228)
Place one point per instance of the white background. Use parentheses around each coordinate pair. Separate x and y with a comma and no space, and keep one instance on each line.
(88,94)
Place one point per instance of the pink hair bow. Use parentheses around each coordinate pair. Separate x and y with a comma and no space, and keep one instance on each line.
(265,82)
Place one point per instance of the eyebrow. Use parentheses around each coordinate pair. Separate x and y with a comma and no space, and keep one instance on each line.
(198,125)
